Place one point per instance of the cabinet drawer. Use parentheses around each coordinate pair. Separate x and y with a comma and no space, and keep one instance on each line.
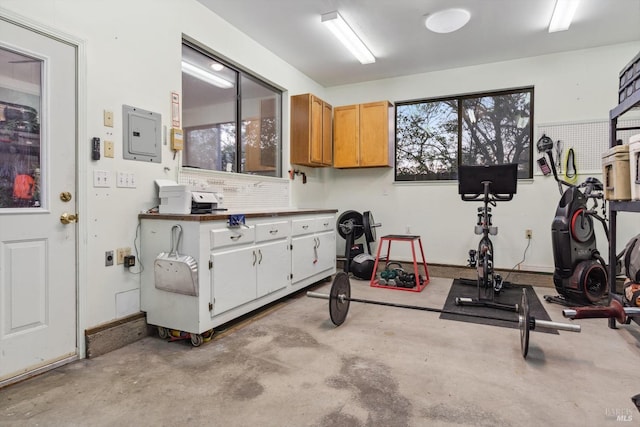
(303,226)
(325,223)
(272,231)
(232,237)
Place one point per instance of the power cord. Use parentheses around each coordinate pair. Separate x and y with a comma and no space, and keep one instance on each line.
(524,256)
(135,247)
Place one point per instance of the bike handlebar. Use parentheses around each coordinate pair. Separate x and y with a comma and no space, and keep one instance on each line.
(477,197)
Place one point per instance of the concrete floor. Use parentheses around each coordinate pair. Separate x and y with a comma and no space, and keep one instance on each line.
(383,367)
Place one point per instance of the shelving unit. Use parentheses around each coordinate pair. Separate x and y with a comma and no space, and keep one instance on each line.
(629,103)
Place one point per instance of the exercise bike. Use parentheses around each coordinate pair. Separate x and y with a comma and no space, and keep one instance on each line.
(580,273)
(489,184)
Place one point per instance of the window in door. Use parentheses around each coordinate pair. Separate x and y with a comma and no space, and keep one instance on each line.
(20,144)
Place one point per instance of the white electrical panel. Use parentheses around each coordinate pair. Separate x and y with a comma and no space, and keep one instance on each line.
(142,137)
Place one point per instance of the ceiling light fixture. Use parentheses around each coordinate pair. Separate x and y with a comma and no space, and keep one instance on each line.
(205,76)
(563,15)
(216,66)
(447,21)
(348,37)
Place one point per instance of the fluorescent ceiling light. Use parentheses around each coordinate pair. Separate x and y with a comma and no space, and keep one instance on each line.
(447,21)
(345,34)
(562,15)
(205,75)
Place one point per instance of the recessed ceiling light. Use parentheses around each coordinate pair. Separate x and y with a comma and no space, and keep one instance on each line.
(215,66)
(447,21)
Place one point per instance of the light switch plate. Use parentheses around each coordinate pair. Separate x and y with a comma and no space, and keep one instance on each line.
(101,178)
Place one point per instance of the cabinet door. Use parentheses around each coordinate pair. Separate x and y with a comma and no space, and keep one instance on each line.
(316,129)
(327,134)
(346,134)
(374,134)
(300,137)
(233,278)
(304,257)
(274,267)
(326,248)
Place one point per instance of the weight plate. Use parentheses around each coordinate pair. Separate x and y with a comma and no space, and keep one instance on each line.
(524,323)
(350,222)
(339,307)
(369,226)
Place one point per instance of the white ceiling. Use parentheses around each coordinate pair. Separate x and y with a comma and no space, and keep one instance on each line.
(394,31)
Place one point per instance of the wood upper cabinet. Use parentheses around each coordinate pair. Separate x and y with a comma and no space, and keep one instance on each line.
(311,136)
(363,135)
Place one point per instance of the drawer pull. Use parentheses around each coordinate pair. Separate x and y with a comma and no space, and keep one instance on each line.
(326,224)
(273,231)
(304,227)
(234,238)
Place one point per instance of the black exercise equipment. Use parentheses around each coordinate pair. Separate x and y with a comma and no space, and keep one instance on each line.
(340,299)
(351,226)
(580,273)
(489,184)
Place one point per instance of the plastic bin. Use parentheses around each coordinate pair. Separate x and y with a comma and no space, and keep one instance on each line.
(615,173)
(634,160)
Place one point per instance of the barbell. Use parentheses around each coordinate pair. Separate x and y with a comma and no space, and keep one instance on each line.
(340,298)
(615,310)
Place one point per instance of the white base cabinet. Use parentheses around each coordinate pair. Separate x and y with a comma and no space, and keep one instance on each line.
(240,269)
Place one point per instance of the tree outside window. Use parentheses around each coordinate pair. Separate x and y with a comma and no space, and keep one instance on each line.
(434,136)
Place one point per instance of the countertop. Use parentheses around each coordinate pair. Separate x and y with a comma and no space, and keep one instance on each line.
(248,213)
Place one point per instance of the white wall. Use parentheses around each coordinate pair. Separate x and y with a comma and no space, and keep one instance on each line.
(569,87)
(133,52)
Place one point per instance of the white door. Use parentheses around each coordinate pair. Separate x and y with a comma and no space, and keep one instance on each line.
(37,186)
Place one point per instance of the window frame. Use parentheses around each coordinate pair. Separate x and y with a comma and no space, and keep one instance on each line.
(255,79)
(460,99)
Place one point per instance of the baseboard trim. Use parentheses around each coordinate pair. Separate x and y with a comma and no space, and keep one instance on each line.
(113,335)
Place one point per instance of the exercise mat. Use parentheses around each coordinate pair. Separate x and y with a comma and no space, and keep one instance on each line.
(510,294)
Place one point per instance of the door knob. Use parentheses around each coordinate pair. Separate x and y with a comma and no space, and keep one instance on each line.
(66,218)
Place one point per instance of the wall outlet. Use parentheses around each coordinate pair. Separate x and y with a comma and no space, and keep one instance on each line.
(108,258)
(121,253)
(528,234)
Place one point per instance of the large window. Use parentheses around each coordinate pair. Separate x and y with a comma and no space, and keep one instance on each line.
(434,136)
(232,120)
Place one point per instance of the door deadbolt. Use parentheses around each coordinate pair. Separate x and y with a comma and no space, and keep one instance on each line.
(65,196)
(66,218)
